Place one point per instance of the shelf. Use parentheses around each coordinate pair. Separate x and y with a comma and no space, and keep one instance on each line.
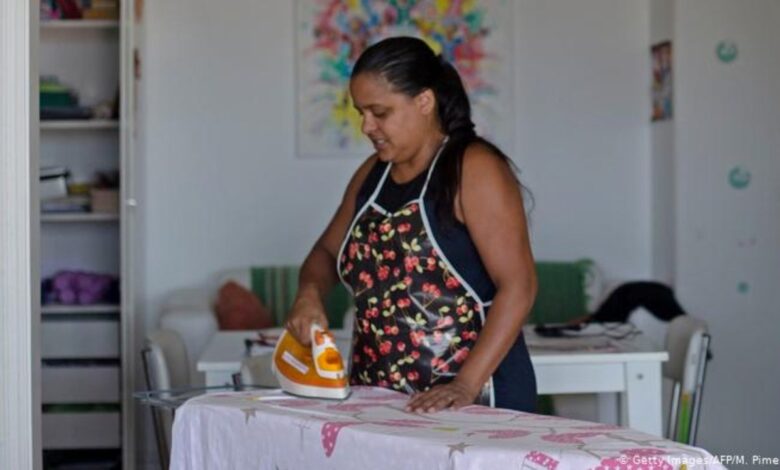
(79,24)
(79,217)
(76,124)
(86,350)
(53,309)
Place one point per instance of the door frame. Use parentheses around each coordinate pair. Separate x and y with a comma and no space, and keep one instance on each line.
(20,404)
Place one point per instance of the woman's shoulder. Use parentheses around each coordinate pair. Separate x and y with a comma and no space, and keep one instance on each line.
(366,167)
(363,171)
(483,161)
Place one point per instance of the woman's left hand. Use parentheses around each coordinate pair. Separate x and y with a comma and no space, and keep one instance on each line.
(451,395)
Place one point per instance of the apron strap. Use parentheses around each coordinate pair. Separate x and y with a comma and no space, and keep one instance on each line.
(433,165)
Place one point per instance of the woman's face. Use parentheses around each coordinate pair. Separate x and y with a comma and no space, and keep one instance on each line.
(397,125)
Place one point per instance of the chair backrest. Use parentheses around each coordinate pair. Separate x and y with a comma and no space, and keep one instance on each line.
(168,360)
(687,342)
(166,367)
(684,338)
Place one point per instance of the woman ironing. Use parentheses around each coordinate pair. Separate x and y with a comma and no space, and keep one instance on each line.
(431,239)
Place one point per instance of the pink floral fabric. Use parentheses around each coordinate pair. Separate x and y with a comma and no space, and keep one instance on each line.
(267,429)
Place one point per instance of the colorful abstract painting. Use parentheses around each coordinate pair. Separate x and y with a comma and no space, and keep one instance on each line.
(474,35)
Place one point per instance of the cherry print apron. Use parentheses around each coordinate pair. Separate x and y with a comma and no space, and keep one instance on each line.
(416,318)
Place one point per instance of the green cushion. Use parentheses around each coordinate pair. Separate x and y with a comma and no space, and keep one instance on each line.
(561,293)
(277,286)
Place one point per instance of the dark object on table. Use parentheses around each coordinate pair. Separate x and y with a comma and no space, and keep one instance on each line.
(655,297)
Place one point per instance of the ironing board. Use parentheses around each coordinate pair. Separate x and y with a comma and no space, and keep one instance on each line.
(269,429)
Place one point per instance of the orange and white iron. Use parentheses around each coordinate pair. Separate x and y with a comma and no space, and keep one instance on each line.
(316,371)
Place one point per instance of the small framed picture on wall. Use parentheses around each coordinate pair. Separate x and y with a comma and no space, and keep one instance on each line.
(662,92)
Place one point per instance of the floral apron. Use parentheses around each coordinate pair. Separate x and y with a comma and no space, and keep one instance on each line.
(416,318)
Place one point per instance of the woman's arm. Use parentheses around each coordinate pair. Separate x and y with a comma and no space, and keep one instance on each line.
(318,272)
(490,203)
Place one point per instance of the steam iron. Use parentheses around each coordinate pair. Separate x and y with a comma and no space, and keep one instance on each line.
(316,371)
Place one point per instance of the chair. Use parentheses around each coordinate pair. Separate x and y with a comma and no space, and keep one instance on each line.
(687,341)
(166,368)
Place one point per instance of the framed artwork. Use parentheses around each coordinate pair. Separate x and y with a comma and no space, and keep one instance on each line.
(662,81)
(474,35)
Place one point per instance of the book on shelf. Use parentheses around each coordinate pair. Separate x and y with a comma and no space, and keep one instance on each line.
(70,204)
(55,113)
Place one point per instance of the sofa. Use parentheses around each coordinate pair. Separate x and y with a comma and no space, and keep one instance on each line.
(567,289)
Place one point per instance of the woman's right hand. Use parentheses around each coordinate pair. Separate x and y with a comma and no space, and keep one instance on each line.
(302,315)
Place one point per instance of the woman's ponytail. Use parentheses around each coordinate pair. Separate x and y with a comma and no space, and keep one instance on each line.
(454,110)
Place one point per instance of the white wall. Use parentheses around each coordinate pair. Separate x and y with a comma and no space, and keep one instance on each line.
(582,129)
(729,115)
(222,184)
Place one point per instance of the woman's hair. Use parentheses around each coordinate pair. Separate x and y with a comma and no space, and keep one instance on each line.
(411,67)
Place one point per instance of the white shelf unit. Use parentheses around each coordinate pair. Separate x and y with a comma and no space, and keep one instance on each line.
(89,346)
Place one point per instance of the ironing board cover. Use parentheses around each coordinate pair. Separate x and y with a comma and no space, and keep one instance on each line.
(268,429)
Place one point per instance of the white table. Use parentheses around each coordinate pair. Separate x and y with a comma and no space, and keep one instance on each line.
(631,368)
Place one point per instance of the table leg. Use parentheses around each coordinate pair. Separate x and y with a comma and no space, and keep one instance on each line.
(218,378)
(642,399)
(608,408)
